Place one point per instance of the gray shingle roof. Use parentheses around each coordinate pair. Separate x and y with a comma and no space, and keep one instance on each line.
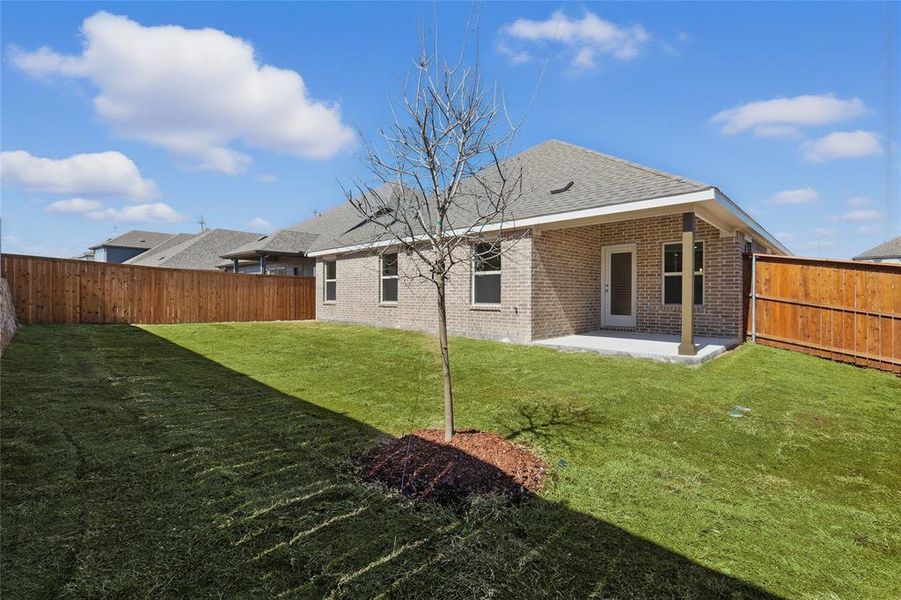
(200,251)
(161,249)
(285,241)
(598,180)
(135,238)
(889,249)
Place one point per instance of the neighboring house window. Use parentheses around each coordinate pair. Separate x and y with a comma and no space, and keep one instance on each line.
(278,271)
(100,254)
(331,281)
(389,277)
(486,274)
(672,273)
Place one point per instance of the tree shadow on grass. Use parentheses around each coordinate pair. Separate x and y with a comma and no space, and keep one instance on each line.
(551,420)
(135,467)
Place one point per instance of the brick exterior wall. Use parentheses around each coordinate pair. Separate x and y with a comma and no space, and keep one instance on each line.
(550,285)
(567,278)
(357,295)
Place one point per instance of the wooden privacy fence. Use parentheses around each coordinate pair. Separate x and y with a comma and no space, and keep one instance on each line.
(843,310)
(56,290)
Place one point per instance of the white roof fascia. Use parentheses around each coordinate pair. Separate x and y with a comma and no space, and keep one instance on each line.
(749,222)
(575,215)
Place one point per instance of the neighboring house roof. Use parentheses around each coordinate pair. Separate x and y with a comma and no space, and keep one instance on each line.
(601,185)
(200,251)
(135,239)
(889,249)
(285,241)
(161,250)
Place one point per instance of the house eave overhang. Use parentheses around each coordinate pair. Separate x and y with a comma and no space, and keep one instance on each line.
(710,204)
(749,224)
(251,254)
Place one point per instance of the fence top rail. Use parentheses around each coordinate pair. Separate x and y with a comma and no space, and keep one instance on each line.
(168,269)
(837,261)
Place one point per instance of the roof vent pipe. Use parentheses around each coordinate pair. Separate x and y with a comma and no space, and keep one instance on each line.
(565,188)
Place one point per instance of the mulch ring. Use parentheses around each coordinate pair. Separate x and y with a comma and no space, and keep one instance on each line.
(421,465)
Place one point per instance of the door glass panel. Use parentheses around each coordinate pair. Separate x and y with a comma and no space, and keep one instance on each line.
(621,283)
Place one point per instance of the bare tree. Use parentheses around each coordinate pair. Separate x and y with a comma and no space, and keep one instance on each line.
(440,180)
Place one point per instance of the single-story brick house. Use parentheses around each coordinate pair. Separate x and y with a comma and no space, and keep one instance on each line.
(594,242)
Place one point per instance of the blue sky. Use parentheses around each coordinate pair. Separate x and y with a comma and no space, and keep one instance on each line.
(254,122)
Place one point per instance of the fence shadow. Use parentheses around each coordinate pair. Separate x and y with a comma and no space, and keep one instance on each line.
(135,467)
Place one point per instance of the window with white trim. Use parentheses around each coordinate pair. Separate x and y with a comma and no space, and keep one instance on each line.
(331,281)
(389,278)
(486,274)
(672,273)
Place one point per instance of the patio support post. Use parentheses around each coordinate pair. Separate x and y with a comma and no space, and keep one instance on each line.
(262,264)
(687,345)
(234,265)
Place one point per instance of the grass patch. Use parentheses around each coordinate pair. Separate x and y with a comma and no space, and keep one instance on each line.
(207,460)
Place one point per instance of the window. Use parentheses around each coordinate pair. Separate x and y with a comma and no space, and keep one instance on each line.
(277,271)
(672,273)
(330,281)
(389,277)
(486,274)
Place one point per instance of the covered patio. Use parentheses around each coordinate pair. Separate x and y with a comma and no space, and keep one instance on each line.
(654,346)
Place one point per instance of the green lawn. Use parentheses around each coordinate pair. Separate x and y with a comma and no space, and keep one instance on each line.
(214,460)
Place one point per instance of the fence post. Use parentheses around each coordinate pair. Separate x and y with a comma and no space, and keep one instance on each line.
(754,298)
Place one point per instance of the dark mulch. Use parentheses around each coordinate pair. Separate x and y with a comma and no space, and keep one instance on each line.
(422,465)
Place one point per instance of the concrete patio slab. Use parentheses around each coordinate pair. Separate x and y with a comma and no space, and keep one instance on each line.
(639,345)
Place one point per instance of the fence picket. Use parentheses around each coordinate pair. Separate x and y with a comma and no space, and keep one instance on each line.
(59,290)
(843,310)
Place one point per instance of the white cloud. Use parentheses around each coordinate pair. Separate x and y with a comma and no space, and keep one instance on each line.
(516,57)
(586,37)
(584,59)
(825,232)
(799,196)
(74,206)
(856,216)
(843,144)
(260,224)
(267,178)
(157,212)
(859,202)
(195,92)
(782,116)
(98,174)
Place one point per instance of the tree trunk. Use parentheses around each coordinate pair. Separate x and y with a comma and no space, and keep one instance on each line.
(445,364)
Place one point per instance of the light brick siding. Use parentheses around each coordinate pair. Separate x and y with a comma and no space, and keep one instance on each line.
(567,278)
(550,285)
(357,296)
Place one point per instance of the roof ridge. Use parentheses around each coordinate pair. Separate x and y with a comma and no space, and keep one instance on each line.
(233,231)
(624,161)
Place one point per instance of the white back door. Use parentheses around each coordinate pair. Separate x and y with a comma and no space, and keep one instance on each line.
(620,279)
